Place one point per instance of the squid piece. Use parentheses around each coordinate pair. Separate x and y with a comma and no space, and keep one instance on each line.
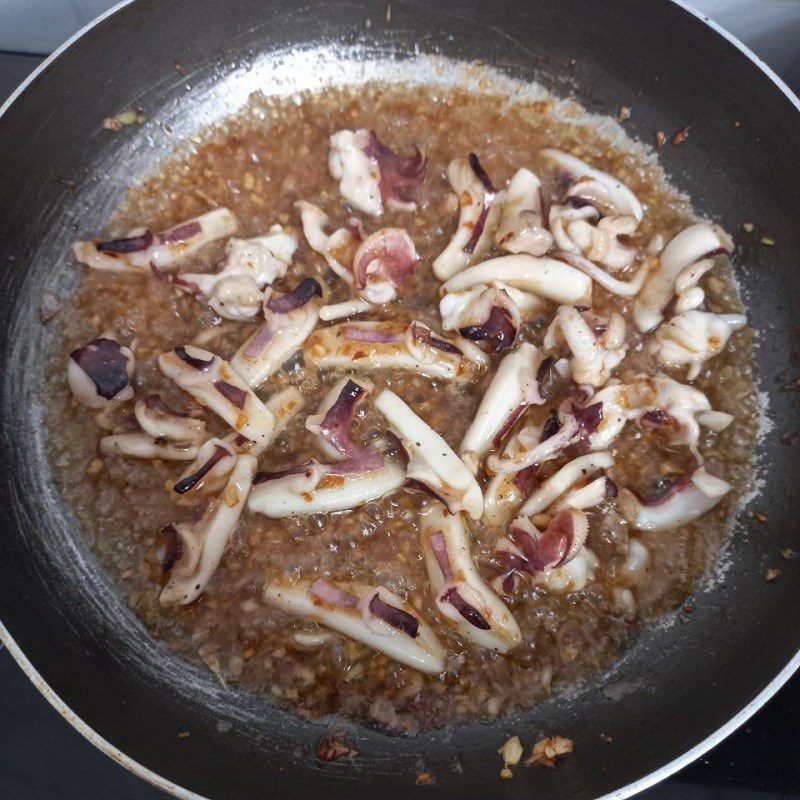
(370,174)
(334,419)
(597,215)
(596,188)
(338,248)
(215,385)
(159,421)
(290,319)
(141,248)
(522,228)
(600,276)
(319,488)
(431,461)
(683,501)
(366,346)
(514,388)
(371,615)
(596,347)
(693,337)
(464,599)
(141,445)
(235,291)
(543,277)
(349,308)
(490,312)
(195,551)
(480,205)
(207,474)
(100,372)
(381,264)
(565,479)
(528,550)
(592,494)
(687,253)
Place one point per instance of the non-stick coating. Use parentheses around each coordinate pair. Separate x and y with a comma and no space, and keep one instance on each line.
(680,683)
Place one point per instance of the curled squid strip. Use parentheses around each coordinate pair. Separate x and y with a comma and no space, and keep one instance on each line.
(544,277)
(235,291)
(693,337)
(528,550)
(514,388)
(215,385)
(598,491)
(142,445)
(597,214)
(522,228)
(432,463)
(480,205)
(159,421)
(349,308)
(565,479)
(195,550)
(366,346)
(141,247)
(319,488)
(370,174)
(207,474)
(99,373)
(596,346)
(338,248)
(600,276)
(687,253)
(681,502)
(463,598)
(381,264)
(371,615)
(289,320)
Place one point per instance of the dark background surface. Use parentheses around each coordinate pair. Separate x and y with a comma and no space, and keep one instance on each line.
(42,757)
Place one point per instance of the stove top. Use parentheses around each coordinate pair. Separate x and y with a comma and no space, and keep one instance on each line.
(44,758)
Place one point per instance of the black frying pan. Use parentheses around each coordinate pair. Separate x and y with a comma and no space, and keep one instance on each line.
(680,688)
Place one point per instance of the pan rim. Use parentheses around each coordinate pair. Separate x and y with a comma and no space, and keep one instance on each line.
(152,777)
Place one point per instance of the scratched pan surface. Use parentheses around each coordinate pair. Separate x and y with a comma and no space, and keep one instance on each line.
(683,685)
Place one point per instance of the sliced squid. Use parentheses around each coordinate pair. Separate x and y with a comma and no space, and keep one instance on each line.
(349,308)
(530,550)
(686,251)
(543,277)
(159,421)
(366,346)
(522,228)
(693,337)
(338,248)
(382,262)
(215,385)
(593,353)
(142,445)
(371,615)
(197,549)
(594,493)
(596,188)
(683,501)
(235,291)
(319,488)
(464,599)
(600,276)
(141,248)
(289,321)
(480,205)
(334,419)
(370,174)
(431,461)
(100,372)
(565,479)
(207,474)
(514,388)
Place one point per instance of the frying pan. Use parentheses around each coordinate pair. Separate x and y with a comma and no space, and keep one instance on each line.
(687,682)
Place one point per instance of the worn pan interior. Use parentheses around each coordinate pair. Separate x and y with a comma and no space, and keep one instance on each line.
(682,682)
